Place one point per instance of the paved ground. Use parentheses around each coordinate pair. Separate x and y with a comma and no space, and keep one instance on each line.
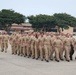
(16,65)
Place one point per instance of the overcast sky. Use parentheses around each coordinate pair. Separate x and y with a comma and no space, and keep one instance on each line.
(35,7)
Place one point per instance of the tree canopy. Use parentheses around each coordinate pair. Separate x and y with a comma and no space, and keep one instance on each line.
(64,20)
(39,22)
(8,17)
(42,22)
(61,20)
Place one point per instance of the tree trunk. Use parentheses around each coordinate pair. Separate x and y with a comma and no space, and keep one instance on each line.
(62,29)
(8,28)
(58,30)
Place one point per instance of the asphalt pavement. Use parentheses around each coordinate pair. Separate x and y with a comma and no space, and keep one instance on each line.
(17,65)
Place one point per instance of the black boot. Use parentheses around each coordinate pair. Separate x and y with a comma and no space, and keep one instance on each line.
(47,60)
(41,59)
(62,59)
(27,56)
(33,57)
(36,58)
(51,59)
(57,60)
(24,55)
(68,60)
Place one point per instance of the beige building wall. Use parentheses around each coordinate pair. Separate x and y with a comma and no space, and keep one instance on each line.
(70,30)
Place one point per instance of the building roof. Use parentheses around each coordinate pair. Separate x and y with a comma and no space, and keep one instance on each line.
(26,24)
(22,24)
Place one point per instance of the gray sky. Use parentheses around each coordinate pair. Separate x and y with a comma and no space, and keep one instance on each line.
(35,7)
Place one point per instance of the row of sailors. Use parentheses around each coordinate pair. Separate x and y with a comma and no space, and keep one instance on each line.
(43,45)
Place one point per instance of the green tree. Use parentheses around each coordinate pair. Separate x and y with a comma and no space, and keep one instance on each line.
(42,22)
(64,20)
(8,17)
(46,22)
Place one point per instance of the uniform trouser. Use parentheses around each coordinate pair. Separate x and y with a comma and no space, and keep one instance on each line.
(74,47)
(71,52)
(67,52)
(36,52)
(51,53)
(61,53)
(6,46)
(75,50)
(33,51)
(41,52)
(15,49)
(21,50)
(2,46)
(57,52)
(24,50)
(28,51)
(12,48)
(47,49)
(18,49)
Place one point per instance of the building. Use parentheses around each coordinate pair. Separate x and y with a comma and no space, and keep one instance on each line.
(27,27)
(70,30)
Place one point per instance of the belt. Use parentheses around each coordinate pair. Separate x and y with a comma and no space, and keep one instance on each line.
(46,44)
